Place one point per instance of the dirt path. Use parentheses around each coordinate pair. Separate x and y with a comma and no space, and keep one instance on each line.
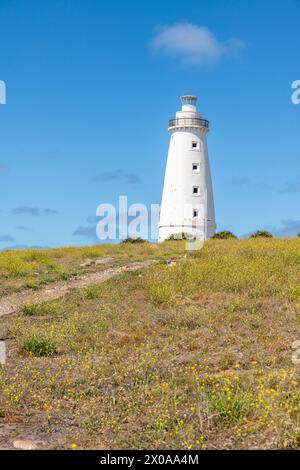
(13,302)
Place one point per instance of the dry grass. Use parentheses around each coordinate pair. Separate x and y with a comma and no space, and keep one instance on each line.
(195,355)
(32,269)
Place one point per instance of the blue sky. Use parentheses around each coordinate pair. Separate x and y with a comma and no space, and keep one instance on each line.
(91,86)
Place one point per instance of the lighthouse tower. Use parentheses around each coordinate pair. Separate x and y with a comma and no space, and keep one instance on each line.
(187,201)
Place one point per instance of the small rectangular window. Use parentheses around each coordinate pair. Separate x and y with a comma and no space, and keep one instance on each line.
(195,213)
(194,145)
(196,167)
(196,190)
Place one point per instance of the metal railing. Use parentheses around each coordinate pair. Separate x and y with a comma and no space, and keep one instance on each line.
(188,122)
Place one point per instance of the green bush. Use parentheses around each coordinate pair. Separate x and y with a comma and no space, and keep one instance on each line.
(231,408)
(224,235)
(39,346)
(92,292)
(134,240)
(43,308)
(261,234)
(31,283)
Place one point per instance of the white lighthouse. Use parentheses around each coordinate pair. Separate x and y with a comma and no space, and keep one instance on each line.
(187,201)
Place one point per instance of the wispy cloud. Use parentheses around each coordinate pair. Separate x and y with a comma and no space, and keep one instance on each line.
(117,175)
(49,211)
(93,219)
(291,187)
(245,182)
(6,238)
(194,45)
(34,211)
(287,228)
(86,232)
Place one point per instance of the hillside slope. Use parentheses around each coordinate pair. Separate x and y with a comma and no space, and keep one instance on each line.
(192,354)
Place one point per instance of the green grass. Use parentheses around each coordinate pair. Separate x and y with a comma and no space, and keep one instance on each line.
(39,346)
(260,267)
(195,355)
(43,308)
(231,408)
(32,269)
(92,292)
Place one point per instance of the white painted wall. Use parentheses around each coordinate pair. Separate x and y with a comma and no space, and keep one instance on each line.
(178,201)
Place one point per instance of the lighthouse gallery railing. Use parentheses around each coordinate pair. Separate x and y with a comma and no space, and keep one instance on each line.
(189,122)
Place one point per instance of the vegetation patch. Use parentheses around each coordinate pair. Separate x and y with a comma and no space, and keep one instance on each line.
(191,355)
(39,346)
(224,235)
(134,240)
(261,234)
(38,309)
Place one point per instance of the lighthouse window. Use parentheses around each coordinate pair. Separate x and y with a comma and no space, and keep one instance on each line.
(195,213)
(196,190)
(194,145)
(196,167)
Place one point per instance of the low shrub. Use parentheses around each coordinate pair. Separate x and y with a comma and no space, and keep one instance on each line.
(231,407)
(39,346)
(92,292)
(43,308)
(224,235)
(134,240)
(261,234)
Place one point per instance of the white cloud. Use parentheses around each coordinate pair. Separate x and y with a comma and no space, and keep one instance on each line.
(194,45)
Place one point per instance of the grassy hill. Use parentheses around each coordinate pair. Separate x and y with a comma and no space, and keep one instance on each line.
(194,353)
